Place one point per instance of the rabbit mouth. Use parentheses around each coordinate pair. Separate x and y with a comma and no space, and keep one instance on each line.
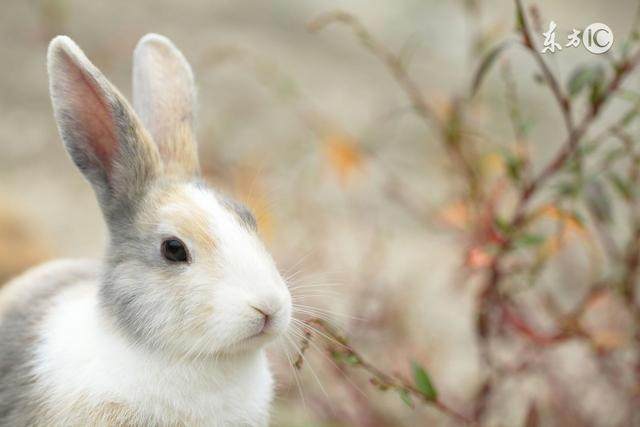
(268,330)
(251,342)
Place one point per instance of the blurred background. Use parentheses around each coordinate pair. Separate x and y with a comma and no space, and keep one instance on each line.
(356,195)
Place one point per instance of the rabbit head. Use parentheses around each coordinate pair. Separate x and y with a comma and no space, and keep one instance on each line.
(185,270)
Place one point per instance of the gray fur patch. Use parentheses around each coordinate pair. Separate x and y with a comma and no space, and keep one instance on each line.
(241,211)
(19,403)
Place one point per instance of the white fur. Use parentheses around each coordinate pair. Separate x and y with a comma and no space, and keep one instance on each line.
(83,355)
(233,279)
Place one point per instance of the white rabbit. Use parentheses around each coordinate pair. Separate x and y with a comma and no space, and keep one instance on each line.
(170,328)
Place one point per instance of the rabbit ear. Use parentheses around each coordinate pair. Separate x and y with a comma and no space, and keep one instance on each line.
(99,129)
(164,97)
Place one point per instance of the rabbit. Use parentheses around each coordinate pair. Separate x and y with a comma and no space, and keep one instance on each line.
(170,327)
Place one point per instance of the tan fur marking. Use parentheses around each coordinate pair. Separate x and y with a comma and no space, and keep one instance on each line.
(183,157)
(81,413)
(191,221)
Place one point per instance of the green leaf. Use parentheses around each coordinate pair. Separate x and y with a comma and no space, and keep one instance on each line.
(453,127)
(568,188)
(485,64)
(526,126)
(423,382)
(585,150)
(351,359)
(629,116)
(519,17)
(598,201)
(627,95)
(623,187)
(614,155)
(586,77)
(406,397)
(503,225)
(345,357)
(579,79)
(539,79)
(529,239)
(379,384)
(514,165)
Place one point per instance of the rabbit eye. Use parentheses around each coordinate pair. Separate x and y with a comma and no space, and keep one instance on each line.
(174,250)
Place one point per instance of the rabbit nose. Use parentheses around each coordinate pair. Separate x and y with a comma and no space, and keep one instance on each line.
(266,317)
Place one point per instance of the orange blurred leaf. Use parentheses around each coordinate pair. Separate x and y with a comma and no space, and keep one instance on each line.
(456,215)
(493,164)
(607,323)
(478,258)
(343,155)
(570,225)
(569,219)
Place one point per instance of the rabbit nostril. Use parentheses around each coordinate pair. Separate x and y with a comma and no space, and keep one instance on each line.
(265,316)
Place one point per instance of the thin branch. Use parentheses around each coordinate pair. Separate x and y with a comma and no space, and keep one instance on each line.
(571,144)
(392,62)
(380,379)
(563,100)
(412,90)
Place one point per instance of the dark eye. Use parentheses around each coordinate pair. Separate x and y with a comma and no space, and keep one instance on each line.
(174,250)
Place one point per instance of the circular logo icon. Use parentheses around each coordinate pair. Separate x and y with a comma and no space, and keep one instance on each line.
(597,38)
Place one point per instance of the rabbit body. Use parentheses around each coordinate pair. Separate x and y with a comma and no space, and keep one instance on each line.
(169,329)
(69,367)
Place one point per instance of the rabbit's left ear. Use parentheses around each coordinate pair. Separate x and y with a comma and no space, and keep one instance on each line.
(100,131)
(164,97)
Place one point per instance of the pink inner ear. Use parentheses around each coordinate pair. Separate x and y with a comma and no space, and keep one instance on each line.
(89,104)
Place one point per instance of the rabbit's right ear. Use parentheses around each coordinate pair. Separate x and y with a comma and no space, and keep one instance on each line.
(99,129)
(164,96)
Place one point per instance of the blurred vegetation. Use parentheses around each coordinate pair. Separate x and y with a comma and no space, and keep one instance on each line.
(517,220)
